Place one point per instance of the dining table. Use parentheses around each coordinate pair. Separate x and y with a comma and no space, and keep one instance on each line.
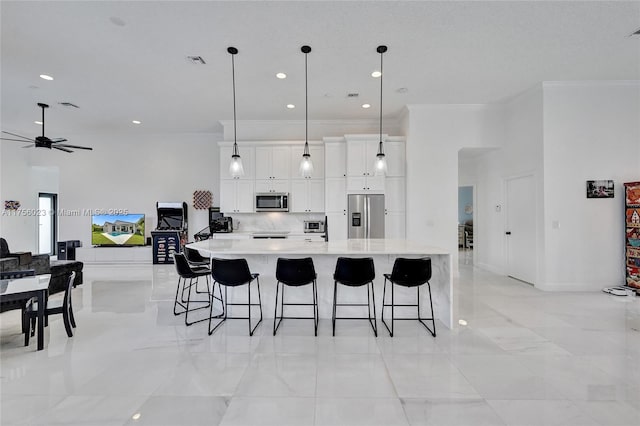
(24,289)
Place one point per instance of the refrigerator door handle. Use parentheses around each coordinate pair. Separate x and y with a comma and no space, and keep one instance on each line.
(367,204)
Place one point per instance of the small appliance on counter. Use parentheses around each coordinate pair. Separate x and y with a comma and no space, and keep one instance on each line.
(222,224)
(171,233)
(314,226)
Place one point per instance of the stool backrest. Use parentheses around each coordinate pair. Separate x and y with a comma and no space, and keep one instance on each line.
(295,272)
(182,266)
(354,271)
(194,256)
(230,272)
(411,272)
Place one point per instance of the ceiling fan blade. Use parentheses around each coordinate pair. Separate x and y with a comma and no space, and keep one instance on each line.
(61,149)
(19,136)
(17,140)
(58,140)
(29,146)
(73,146)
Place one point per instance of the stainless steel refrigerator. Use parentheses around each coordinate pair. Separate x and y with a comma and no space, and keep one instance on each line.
(366,216)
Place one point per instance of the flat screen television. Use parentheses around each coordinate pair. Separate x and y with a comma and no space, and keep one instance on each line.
(117,230)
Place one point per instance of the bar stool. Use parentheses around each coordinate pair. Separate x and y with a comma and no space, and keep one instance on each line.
(185,272)
(233,273)
(197,261)
(355,272)
(409,273)
(295,273)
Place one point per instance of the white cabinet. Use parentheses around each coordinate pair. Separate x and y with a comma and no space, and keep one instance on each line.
(307,195)
(273,185)
(396,158)
(337,226)
(272,162)
(395,194)
(335,199)
(361,155)
(317,159)
(335,163)
(247,154)
(236,196)
(395,207)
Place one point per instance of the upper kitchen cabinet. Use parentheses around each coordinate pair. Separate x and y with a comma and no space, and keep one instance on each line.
(307,196)
(335,164)
(236,196)
(361,155)
(396,158)
(273,162)
(247,154)
(317,159)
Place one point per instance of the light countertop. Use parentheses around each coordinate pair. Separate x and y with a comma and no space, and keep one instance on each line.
(300,247)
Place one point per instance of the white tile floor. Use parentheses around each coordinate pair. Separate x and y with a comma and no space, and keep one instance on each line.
(525,358)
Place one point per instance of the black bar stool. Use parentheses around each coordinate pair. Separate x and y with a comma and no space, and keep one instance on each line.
(233,273)
(355,272)
(409,273)
(185,272)
(197,261)
(295,273)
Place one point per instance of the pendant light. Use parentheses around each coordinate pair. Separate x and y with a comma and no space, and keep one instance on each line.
(235,168)
(306,166)
(380,166)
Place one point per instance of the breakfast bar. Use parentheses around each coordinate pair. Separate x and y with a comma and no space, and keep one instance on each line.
(262,255)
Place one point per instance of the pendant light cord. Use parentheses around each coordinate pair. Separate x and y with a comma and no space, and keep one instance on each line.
(233,79)
(381,77)
(306,108)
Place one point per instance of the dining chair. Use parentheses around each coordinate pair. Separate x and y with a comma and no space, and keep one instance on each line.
(53,307)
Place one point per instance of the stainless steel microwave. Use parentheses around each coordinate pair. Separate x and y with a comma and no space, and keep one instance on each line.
(272,202)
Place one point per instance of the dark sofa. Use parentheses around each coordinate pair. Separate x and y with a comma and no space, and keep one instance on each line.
(42,264)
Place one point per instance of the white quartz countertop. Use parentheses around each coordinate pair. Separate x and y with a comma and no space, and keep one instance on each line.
(300,247)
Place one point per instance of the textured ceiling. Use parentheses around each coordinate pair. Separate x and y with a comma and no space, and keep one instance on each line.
(441,52)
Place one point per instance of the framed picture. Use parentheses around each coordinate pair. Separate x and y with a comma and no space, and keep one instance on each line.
(600,189)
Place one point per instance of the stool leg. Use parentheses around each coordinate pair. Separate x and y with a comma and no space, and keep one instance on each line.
(275,313)
(333,317)
(433,317)
(373,300)
(249,286)
(175,303)
(315,308)
(393,306)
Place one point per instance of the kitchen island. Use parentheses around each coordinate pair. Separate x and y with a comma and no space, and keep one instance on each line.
(262,256)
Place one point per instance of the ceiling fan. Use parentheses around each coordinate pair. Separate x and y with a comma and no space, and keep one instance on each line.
(43,141)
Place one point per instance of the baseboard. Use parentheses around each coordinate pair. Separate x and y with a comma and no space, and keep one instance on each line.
(575,286)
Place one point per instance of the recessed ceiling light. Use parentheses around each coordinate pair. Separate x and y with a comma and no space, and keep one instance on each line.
(366,106)
(376,74)
(38,123)
(291,106)
(462,322)
(136,122)
(281,75)
(136,416)
(46,77)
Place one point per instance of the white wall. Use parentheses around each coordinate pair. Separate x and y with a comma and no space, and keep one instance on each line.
(520,154)
(435,135)
(122,172)
(591,131)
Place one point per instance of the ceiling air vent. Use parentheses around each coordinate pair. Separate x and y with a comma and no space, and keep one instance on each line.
(353,95)
(196,60)
(68,105)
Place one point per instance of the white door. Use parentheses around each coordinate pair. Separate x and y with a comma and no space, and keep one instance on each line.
(244,196)
(316,195)
(46,223)
(521,229)
(336,156)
